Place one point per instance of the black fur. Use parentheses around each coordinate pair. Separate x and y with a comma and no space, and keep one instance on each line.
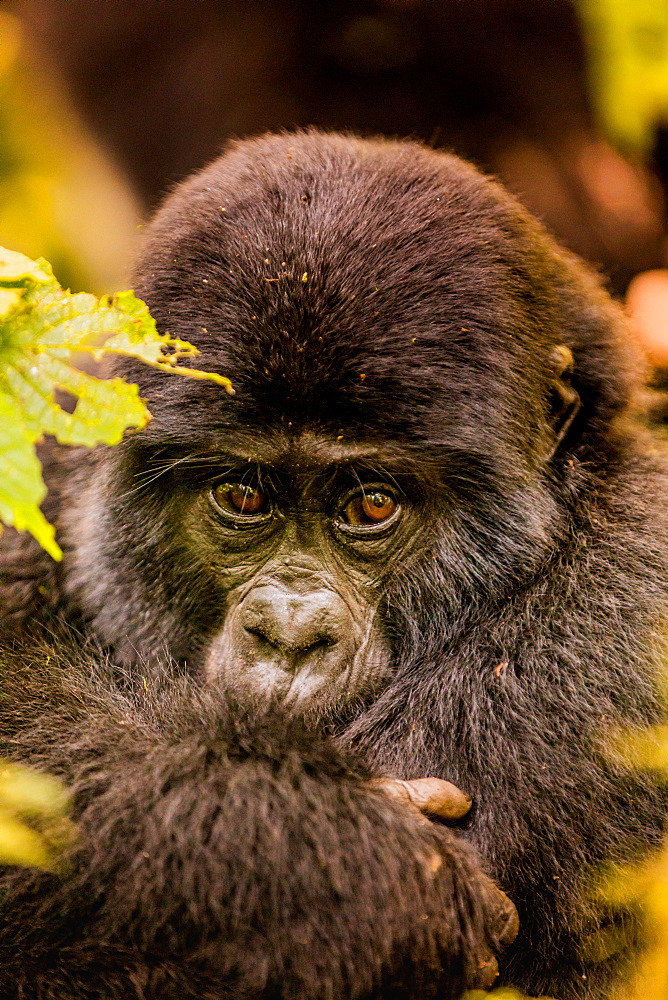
(221,855)
(376,294)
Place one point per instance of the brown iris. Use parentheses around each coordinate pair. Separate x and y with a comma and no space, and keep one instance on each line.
(368,509)
(238,499)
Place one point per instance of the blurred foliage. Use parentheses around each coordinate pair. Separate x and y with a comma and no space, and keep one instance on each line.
(34,827)
(41,325)
(503,993)
(628,50)
(60,196)
(644,885)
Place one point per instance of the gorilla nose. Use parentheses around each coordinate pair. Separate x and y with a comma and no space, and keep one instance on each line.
(295,630)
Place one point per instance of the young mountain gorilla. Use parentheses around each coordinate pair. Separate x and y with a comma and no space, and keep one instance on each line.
(421,539)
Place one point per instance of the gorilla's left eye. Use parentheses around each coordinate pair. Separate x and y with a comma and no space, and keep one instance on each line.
(371,508)
(242,502)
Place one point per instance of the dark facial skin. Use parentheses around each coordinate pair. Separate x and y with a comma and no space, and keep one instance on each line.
(296,536)
(303,575)
(301,539)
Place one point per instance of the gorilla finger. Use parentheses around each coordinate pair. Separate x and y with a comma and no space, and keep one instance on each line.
(504,918)
(431,796)
(485,975)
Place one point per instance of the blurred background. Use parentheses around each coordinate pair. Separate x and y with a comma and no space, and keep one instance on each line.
(104,106)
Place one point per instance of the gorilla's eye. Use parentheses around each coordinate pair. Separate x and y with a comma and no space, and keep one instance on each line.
(242,501)
(372,508)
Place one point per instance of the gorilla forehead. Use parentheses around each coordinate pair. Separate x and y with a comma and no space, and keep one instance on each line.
(330,277)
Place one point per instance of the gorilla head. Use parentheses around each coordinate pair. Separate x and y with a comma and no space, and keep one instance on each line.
(401,340)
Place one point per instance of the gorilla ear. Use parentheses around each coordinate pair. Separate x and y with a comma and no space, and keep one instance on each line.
(564,401)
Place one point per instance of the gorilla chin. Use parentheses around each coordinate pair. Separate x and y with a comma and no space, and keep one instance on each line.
(424,539)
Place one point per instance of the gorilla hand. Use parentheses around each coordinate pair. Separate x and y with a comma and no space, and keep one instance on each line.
(433,797)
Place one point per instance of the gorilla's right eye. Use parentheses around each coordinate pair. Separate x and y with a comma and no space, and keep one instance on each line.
(244,503)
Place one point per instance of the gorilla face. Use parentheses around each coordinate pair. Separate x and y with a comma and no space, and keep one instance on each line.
(300,534)
(391,323)
(267,559)
(315,525)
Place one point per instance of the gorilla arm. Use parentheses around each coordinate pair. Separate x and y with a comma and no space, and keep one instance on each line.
(225,857)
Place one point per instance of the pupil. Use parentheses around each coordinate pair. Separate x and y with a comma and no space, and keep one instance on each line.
(241,499)
(246,498)
(378,506)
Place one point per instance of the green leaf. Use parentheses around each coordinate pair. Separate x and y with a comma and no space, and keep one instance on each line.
(16,269)
(21,485)
(41,325)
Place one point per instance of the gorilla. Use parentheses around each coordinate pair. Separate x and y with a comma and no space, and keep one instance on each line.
(425,538)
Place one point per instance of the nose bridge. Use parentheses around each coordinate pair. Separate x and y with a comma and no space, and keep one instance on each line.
(298,569)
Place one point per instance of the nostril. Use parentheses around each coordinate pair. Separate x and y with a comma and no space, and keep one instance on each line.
(318,646)
(296,649)
(312,653)
(261,637)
